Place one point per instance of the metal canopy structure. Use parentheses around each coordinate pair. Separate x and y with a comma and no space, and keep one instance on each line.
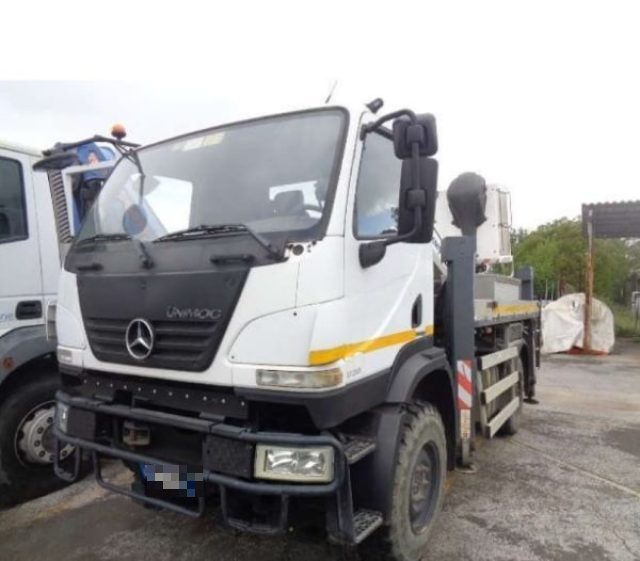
(605,220)
(612,220)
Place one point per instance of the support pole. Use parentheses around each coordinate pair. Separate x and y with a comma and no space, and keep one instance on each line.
(588,293)
(459,255)
(525,274)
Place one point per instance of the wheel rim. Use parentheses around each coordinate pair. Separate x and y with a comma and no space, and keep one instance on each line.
(34,441)
(423,487)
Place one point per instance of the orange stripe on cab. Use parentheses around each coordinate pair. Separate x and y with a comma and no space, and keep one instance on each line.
(326,356)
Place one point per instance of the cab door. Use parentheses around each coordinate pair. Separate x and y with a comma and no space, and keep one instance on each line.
(20,271)
(390,303)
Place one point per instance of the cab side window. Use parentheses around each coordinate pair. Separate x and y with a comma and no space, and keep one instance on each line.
(13,212)
(378,189)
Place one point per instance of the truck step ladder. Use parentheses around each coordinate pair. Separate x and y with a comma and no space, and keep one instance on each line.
(365,522)
(488,395)
(357,447)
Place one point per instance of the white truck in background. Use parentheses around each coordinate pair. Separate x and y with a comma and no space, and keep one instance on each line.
(40,212)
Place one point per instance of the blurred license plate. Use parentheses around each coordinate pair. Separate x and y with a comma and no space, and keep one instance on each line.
(172,480)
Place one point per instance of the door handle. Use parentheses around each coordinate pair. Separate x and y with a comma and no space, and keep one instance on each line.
(29,309)
(416,312)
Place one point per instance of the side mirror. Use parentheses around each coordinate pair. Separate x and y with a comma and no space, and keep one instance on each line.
(415,138)
(423,132)
(423,197)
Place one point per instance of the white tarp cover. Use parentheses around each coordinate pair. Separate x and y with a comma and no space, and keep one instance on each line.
(563,325)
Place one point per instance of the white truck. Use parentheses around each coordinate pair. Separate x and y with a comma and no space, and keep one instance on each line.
(39,214)
(257,316)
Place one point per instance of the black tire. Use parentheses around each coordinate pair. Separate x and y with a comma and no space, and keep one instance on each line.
(412,516)
(21,480)
(512,425)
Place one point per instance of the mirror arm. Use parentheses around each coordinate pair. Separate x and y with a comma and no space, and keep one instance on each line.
(370,127)
(417,224)
(373,252)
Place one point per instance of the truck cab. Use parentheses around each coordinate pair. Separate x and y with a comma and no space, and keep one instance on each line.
(251,310)
(38,218)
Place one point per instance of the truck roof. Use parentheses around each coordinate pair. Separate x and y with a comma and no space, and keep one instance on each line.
(16,147)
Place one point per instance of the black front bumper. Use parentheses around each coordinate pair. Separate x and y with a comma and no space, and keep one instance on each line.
(85,415)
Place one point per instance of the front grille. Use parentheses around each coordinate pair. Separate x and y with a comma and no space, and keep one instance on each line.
(181,345)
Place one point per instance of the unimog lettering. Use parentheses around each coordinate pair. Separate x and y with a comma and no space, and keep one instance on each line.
(202,314)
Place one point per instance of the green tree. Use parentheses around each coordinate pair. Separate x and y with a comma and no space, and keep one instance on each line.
(611,269)
(633,253)
(557,252)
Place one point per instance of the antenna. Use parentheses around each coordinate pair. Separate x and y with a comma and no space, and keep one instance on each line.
(333,89)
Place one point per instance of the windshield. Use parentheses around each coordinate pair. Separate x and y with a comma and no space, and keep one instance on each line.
(273,175)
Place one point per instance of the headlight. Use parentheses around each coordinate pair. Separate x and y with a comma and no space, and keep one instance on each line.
(300,379)
(314,465)
(62,416)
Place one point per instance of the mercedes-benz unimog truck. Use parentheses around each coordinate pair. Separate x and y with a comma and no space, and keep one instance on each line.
(258,316)
(39,214)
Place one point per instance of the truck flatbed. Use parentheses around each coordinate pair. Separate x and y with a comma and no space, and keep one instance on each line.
(492,312)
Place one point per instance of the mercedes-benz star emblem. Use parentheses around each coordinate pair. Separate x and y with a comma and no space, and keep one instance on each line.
(140,338)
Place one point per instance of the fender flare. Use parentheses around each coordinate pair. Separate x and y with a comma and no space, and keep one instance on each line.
(413,366)
(22,345)
(407,375)
(411,371)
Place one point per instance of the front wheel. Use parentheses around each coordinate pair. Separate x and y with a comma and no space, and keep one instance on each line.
(27,443)
(418,487)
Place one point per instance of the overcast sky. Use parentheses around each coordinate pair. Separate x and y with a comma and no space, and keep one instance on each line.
(542,97)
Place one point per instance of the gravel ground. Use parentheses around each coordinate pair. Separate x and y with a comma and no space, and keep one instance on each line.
(565,488)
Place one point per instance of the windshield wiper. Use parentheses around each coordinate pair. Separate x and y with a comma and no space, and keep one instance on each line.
(143,254)
(145,258)
(105,238)
(215,229)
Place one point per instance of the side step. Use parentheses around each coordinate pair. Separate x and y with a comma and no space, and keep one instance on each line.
(489,394)
(365,522)
(356,448)
(498,357)
(502,417)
